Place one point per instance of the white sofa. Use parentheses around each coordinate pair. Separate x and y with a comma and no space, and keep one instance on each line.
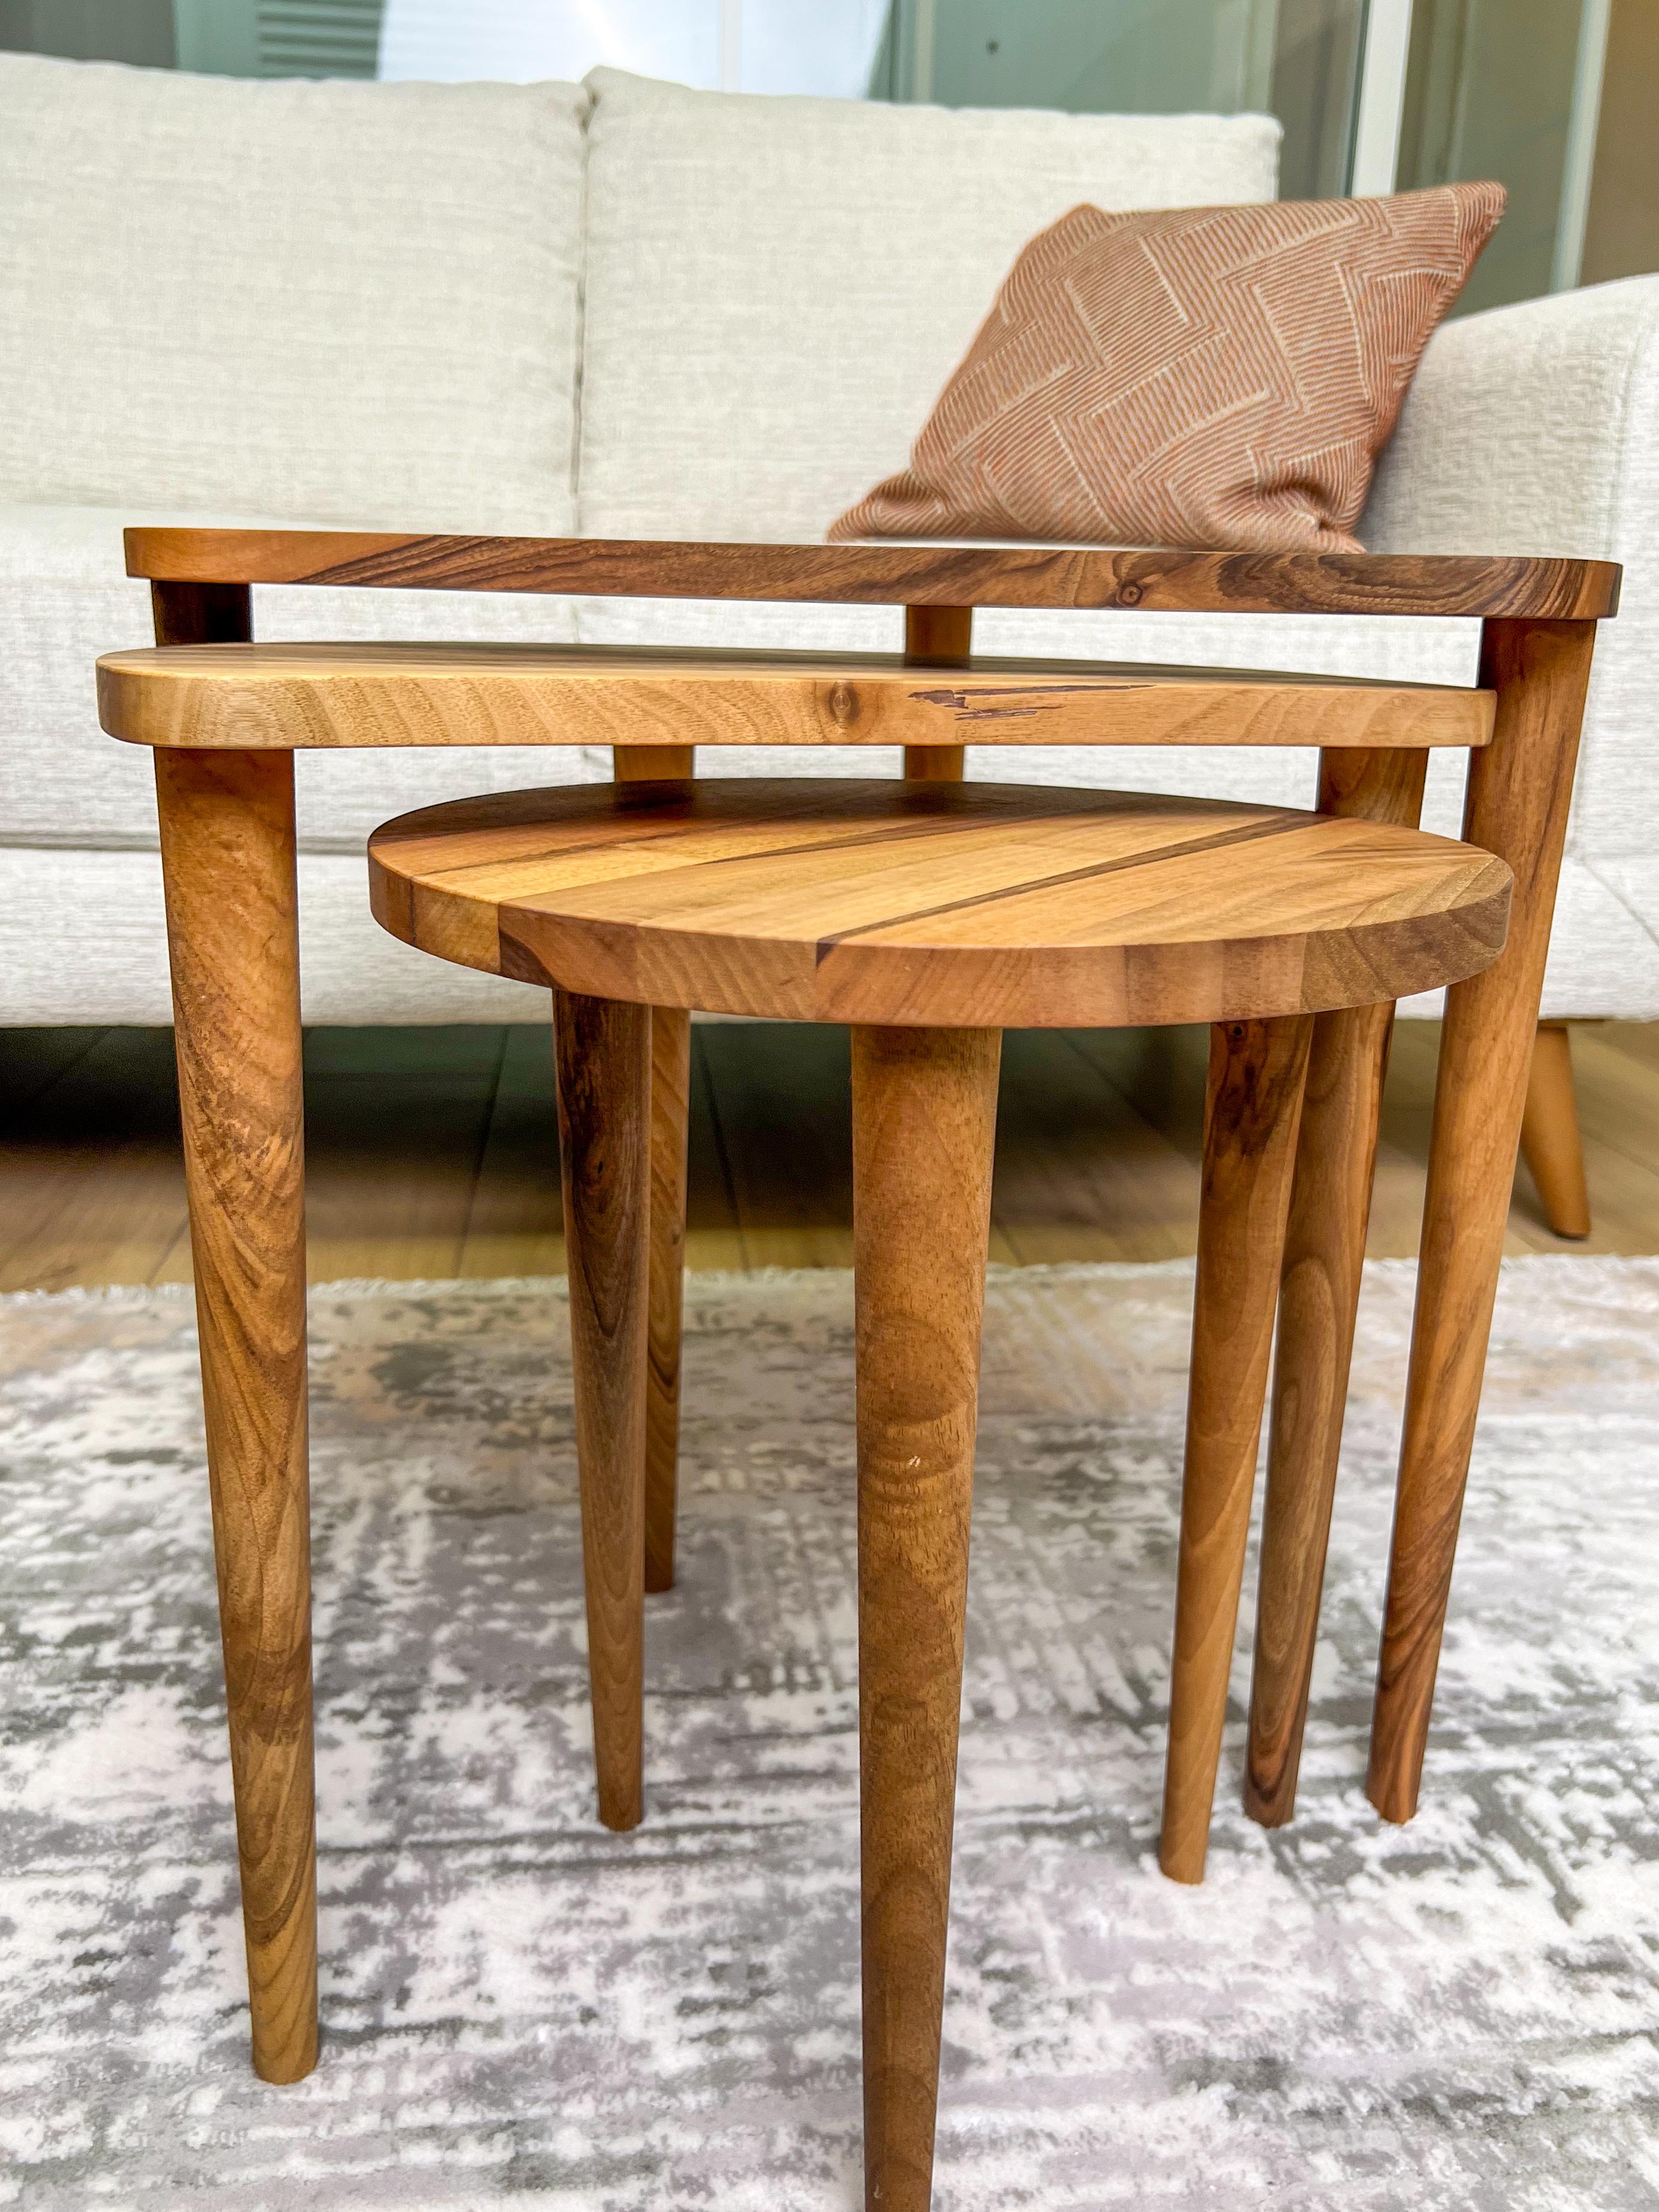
(624,309)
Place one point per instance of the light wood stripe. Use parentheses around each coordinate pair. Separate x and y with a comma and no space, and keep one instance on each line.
(1244,832)
(255,698)
(939,902)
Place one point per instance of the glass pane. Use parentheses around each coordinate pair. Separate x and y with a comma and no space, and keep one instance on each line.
(318,38)
(1621,236)
(520,40)
(136,30)
(829,48)
(1297,59)
(1490,94)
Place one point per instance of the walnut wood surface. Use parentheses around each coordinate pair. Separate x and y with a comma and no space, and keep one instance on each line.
(948,902)
(665,701)
(201,614)
(924,1113)
(1520,790)
(671,1099)
(937,637)
(1254,1105)
(651,763)
(1550,1142)
(602,1051)
(227,825)
(1318,1297)
(671,1083)
(891,575)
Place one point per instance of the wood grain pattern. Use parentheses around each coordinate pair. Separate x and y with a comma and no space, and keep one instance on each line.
(1520,790)
(603,1057)
(670,1085)
(651,763)
(665,702)
(943,903)
(937,637)
(924,1112)
(1550,1142)
(891,575)
(227,825)
(671,1101)
(1318,1298)
(1254,1103)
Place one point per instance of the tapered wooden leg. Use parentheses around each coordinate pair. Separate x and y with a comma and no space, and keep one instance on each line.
(227,824)
(602,1050)
(1318,1295)
(924,1115)
(670,1091)
(1520,790)
(937,637)
(1254,1104)
(1550,1143)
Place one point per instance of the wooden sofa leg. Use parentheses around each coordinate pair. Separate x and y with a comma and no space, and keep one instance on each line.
(1550,1142)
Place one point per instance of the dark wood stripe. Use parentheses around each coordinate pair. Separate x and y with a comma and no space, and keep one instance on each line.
(1035,696)
(644,795)
(950,816)
(1248,833)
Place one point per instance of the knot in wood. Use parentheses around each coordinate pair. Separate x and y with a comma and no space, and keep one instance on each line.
(844,706)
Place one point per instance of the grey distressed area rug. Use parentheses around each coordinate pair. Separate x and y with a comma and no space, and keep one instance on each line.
(523,2010)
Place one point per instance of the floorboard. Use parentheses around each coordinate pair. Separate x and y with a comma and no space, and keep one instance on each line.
(433,1152)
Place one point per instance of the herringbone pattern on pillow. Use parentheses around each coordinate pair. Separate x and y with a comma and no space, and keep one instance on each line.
(1220,376)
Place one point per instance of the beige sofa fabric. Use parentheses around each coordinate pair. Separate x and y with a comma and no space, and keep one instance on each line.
(731,387)
(777,287)
(320,304)
(743,254)
(342,303)
(64,598)
(1535,429)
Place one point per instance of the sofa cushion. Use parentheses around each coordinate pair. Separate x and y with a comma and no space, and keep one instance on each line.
(777,287)
(351,971)
(345,303)
(1189,376)
(64,598)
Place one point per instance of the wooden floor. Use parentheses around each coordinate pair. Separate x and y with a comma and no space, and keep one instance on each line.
(432,1152)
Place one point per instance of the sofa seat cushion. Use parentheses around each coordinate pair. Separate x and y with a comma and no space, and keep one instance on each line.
(352,972)
(349,303)
(65,598)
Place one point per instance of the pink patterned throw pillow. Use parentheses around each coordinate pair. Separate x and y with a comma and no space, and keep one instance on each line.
(1209,377)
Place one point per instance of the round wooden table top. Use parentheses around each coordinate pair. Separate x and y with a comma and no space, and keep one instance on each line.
(976,905)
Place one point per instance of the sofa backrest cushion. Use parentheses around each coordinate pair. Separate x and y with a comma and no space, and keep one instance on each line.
(777,289)
(336,303)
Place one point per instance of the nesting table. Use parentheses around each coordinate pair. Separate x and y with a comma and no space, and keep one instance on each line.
(224,777)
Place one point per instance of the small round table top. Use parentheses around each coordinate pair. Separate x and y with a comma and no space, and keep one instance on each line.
(980,905)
